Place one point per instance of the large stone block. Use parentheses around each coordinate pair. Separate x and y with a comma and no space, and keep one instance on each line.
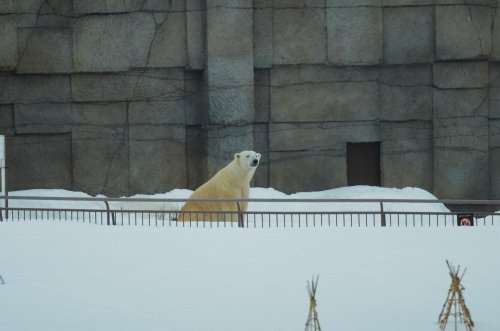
(194,100)
(494,130)
(261,95)
(320,136)
(60,7)
(229,63)
(408,34)
(43,118)
(42,88)
(100,149)
(407,154)
(6,119)
(168,46)
(355,35)
(45,50)
(298,3)
(8,6)
(406,93)
(263,36)
(107,6)
(461,165)
(8,42)
(299,36)
(156,146)
(463,32)
(495,36)
(489,3)
(231,105)
(396,3)
(195,34)
(494,91)
(171,5)
(460,103)
(158,84)
(114,42)
(307,168)
(320,94)
(457,75)
(40,161)
(353,3)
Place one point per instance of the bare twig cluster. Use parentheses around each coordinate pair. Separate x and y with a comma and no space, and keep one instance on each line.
(312,323)
(455,303)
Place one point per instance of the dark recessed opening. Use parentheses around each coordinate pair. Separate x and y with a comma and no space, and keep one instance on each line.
(363,164)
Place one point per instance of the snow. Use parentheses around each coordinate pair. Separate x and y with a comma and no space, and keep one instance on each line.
(80,276)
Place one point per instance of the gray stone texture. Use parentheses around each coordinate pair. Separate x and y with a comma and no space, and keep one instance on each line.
(495,35)
(42,88)
(100,149)
(229,62)
(263,35)
(352,31)
(494,153)
(121,42)
(262,96)
(407,154)
(353,3)
(299,36)
(6,119)
(41,161)
(494,91)
(318,149)
(8,42)
(408,35)
(283,164)
(162,84)
(461,143)
(143,96)
(328,94)
(195,34)
(44,50)
(406,93)
(457,75)
(156,146)
(463,32)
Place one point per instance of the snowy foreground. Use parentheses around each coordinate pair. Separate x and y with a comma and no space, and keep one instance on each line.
(75,276)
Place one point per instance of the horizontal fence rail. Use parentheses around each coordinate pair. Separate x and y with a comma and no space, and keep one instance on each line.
(262,213)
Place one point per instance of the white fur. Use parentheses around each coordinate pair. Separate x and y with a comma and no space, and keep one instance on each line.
(231,182)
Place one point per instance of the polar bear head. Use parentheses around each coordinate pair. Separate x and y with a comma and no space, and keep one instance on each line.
(248,159)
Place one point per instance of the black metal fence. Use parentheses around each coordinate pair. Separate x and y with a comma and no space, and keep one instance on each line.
(262,213)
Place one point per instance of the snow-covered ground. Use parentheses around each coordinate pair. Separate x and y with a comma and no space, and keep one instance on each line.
(78,276)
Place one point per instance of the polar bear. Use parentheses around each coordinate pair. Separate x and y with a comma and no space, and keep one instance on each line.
(231,182)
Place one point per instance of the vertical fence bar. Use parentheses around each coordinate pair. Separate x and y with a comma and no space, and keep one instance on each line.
(382,214)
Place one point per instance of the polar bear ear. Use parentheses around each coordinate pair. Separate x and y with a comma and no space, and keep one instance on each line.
(236,155)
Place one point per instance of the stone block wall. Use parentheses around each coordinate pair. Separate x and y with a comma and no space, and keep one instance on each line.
(143,96)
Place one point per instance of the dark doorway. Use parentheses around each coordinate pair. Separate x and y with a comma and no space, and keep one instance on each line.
(363,164)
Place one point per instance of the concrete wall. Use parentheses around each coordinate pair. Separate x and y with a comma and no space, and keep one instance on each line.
(142,96)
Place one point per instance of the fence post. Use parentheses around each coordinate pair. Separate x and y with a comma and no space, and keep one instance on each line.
(3,176)
(108,213)
(241,224)
(382,214)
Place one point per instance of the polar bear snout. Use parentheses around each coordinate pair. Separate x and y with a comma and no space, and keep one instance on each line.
(255,160)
